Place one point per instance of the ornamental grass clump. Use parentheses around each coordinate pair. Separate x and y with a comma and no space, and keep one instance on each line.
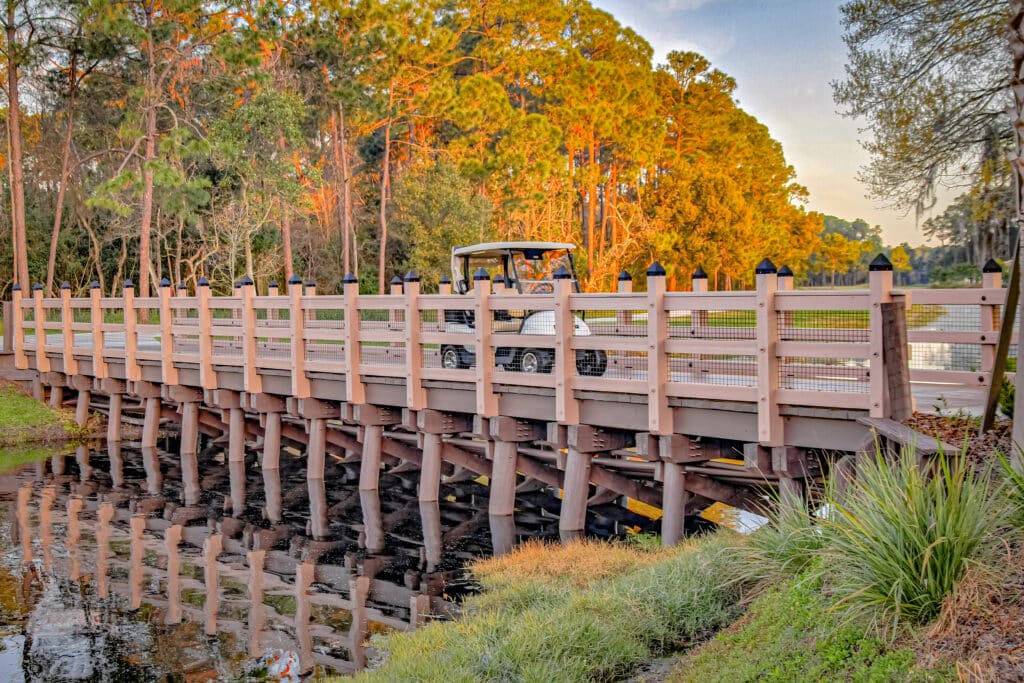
(782,548)
(899,538)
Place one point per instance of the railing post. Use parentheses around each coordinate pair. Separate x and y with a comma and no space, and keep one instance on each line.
(251,378)
(272,290)
(42,361)
(699,284)
(207,376)
(99,363)
(624,319)
(444,288)
(395,290)
(659,414)
(168,371)
(132,371)
(67,317)
(880,283)
(769,421)
(311,291)
(17,325)
(415,394)
(297,316)
(991,278)
(355,390)
(567,409)
(486,399)
(785,284)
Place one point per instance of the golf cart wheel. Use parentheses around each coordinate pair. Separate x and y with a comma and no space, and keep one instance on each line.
(451,359)
(591,363)
(532,361)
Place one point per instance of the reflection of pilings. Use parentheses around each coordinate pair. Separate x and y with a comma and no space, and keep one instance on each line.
(24,532)
(236,475)
(272,493)
(151,464)
(116,464)
(359,589)
(430,517)
(57,464)
(190,478)
(211,549)
(49,494)
(172,537)
(82,458)
(317,508)
(373,526)
(138,525)
(303,612)
(75,504)
(257,611)
(105,513)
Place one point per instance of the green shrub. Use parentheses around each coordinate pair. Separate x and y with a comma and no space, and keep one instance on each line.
(1014,488)
(900,539)
(781,549)
(1007,395)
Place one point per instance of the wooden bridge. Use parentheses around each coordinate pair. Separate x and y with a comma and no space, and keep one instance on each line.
(707,396)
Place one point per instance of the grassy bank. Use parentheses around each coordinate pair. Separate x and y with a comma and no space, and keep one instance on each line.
(890,585)
(26,421)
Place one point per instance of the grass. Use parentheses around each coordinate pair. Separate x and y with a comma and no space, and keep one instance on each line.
(25,420)
(581,619)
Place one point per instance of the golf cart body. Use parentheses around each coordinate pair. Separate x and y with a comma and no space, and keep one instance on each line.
(525,268)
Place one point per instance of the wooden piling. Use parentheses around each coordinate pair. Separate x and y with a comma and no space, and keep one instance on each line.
(189,428)
(151,422)
(56,397)
(317,450)
(271,441)
(114,417)
(369,467)
(502,493)
(575,486)
(674,500)
(82,407)
(430,468)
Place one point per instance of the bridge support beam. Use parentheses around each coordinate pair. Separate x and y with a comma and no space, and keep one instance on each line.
(82,407)
(373,418)
(56,397)
(432,425)
(507,434)
(584,441)
(114,416)
(674,501)
(151,422)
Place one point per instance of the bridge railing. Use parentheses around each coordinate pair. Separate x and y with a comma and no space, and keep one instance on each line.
(769,347)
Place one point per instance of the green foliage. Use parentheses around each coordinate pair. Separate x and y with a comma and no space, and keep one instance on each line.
(1013,486)
(25,420)
(956,275)
(783,548)
(790,634)
(1007,397)
(899,539)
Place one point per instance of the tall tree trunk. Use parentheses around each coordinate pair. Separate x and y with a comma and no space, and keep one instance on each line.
(65,172)
(16,165)
(345,191)
(149,155)
(286,227)
(385,186)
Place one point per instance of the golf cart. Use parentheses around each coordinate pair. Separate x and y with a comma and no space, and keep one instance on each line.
(526,268)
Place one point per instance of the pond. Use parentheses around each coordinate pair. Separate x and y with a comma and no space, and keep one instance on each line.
(124,564)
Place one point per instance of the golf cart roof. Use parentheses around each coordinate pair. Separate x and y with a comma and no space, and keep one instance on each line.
(501,248)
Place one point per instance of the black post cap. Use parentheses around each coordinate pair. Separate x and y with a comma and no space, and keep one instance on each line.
(128,284)
(699,274)
(311,282)
(295,280)
(246,281)
(624,276)
(481,274)
(94,284)
(991,266)
(784,271)
(499,279)
(562,274)
(273,284)
(37,287)
(349,279)
(396,280)
(655,270)
(411,276)
(16,287)
(765,267)
(445,280)
(238,284)
(203,282)
(164,282)
(880,264)
(65,285)
(182,286)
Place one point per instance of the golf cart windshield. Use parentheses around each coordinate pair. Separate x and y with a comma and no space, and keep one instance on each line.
(535,269)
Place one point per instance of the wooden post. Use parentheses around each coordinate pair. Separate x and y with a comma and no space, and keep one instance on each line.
(99,363)
(567,409)
(67,317)
(56,397)
(271,440)
(486,399)
(785,284)
(82,407)
(189,428)
(415,394)
(151,422)
(769,421)
(355,392)
(172,537)
(114,417)
(369,466)
(898,398)
(502,490)
(251,378)
(575,489)
(659,414)
(625,286)
(991,278)
(880,282)
(42,360)
(674,500)
(300,383)
(430,468)
(317,450)
(133,373)
(207,376)
(168,371)
(17,326)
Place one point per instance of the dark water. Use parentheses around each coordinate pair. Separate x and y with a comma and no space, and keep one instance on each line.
(96,585)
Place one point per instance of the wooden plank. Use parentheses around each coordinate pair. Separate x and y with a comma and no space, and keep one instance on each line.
(769,421)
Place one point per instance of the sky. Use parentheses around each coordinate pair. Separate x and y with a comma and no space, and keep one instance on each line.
(784,54)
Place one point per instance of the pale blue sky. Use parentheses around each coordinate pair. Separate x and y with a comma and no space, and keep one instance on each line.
(783,55)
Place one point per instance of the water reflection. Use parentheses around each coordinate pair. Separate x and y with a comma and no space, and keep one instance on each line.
(147,564)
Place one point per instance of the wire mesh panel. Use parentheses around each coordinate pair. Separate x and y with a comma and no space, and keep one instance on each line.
(610,336)
(28,324)
(81,325)
(522,336)
(847,375)
(944,317)
(382,331)
(737,370)
(53,326)
(185,328)
(945,356)
(147,328)
(447,327)
(227,330)
(324,332)
(723,315)
(273,331)
(825,325)
(113,327)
